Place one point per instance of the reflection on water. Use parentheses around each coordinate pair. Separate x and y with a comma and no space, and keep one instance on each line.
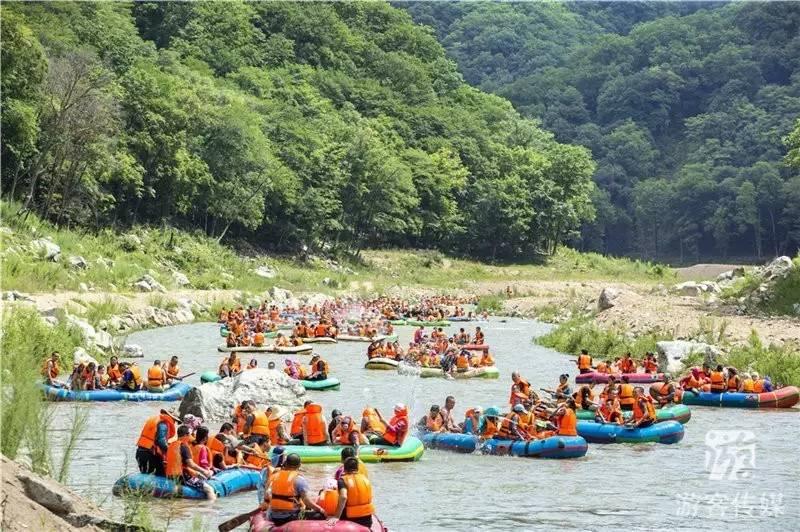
(614,486)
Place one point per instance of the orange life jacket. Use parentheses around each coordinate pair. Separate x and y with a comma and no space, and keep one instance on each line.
(137,376)
(321,366)
(345,438)
(284,497)
(584,362)
(568,423)
(359,495)
(717,382)
(433,424)
(462,362)
(258,339)
(257,459)
(297,423)
(608,408)
(147,439)
(196,448)
(374,423)
(155,376)
(53,372)
(626,394)
(316,431)
(602,367)
(664,390)
(215,446)
(173,371)
(321,330)
(260,424)
(489,428)
(508,426)
(733,384)
(329,500)
(638,413)
(239,418)
(650,366)
(758,386)
(627,365)
(391,435)
(114,373)
(174,463)
(274,435)
(522,394)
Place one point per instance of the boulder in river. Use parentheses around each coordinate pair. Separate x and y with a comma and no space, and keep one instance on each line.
(214,401)
(672,353)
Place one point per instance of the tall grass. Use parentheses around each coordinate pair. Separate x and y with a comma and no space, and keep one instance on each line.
(492,304)
(781,363)
(581,333)
(26,342)
(80,417)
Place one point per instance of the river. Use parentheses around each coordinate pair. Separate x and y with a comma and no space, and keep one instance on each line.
(647,486)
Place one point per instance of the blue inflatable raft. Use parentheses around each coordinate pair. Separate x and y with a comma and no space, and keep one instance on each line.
(553,447)
(664,432)
(175,392)
(226,482)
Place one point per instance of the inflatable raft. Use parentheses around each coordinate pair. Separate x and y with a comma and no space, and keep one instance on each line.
(664,432)
(785,397)
(475,347)
(260,523)
(381,363)
(633,378)
(319,340)
(410,451)
(398,322)
(553,447)
(417,323)
(176,392)
(679,413)
(291,349)
(488,372)
(226,482)
(209,376)
(331,383)
(459,318)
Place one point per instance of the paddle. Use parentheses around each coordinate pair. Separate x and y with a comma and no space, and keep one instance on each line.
(181,377)
(237,521)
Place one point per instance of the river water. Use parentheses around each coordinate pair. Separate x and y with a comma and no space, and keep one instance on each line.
(641,487)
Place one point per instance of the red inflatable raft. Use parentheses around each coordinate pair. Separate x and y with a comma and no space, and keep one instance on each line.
(475,347)
(260,523)
(634,378)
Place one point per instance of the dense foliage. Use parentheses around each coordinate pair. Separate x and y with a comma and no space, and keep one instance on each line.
(684,106)
(330,125)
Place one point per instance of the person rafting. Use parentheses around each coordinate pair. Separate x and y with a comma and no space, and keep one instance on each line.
(761,385)
(565,419)
(230,366)
(131,377)
(51,370)
(584,362)
(734,382)
(355,496)
(563,391)
(610,411)
(396,428)
(479,336)
(584,398)
(664,392)
(644,413)
(432,421)
(224,444)
(315,429)
(372,427)
(156,377)
(472,421)
(520,389)
(717,380)
(151,447)
(448,421)
(114,371)
(692,382)
(181,468)
(173,370)
(626,394)
(256,423)
(510,427)
(319,369)
(349,452)
(346,433)
(650,363)
(627,364)
(288,492)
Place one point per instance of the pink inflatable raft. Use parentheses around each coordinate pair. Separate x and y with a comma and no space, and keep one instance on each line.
(260,523)
(633,378)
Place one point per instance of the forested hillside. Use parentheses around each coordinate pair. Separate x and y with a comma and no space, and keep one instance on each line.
(684,105)
(335,126)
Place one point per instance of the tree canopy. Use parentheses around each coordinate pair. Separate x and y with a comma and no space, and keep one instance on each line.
(331,125)
(683,105)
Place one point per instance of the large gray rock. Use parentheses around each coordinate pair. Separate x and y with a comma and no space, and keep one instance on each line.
(46,249)
(103,340)
(689,288)
(672,353)
(214,401)
(150,282)
(78,262)
(608,298)
(778,268)
(317,299)
(266,272)
(80,356)
(142,286)
(132,351)
(180,279)
(87,331)
(280,295)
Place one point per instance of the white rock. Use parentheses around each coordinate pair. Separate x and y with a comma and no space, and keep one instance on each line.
(180,279)
(280,295)
(132,351)
(46,249)
(87,331)
(266,272)
(689,288)
(80,356)
(796,309)
(103,340)
(608,298)
(725,276)
(83,288)
(316,299)
(710,286)
(78,262)
(214,401)
(778,268)
(672,353)
(142,286)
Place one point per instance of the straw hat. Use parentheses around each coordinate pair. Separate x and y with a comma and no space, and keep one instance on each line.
(275,412)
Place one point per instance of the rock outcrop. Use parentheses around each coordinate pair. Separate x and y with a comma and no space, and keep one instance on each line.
(214,401)
(266,272)
(672,353)
(46,249)
(608,298)
(147,283)
(33,502)
(180,279)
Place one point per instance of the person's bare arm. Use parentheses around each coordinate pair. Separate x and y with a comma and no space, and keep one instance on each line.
(311,504)
(342,502)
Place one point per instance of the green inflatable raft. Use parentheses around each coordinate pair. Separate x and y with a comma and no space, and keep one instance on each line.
(410,451)
(680,413)
(490,372)
(331,383)
(398,322)
(209,376)
(417,323)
